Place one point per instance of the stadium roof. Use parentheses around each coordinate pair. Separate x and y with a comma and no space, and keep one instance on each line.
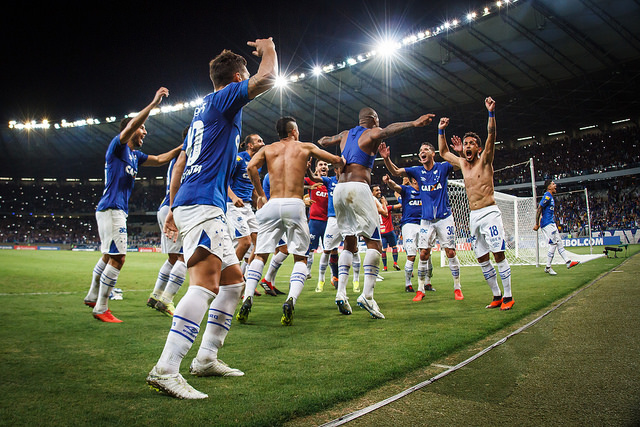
(550,65)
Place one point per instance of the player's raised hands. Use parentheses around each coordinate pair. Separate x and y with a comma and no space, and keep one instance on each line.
(490,104)
(384,150)
(444,122)
(456,144)
(424,120)
(261,45)
(163,92)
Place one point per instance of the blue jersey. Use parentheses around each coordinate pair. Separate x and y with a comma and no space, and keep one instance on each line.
(266,186)
(165,201)
(411,205)
(433,189)
(120,170)
(330,182)
(548,205)
(212,146)
(240,183)
(352,152)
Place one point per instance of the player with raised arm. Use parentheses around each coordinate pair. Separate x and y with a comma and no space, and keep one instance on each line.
(173,272)
(284,213)
(485,219)
(317,211)
(355,207)
(120,169)
(545,219)
(198,201)
(409,223)
(437,220)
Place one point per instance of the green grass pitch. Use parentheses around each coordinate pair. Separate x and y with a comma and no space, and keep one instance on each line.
(62,367)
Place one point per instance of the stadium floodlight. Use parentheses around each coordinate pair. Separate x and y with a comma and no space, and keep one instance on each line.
(471,16)
(281,81)
(408,155)
(615,122)
(486,11)
(588,127)
(560,132)
(499,3)
(317,71)
(387,47)
(351,61)
(524,138)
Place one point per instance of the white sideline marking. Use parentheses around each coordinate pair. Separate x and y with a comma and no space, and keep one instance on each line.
(357,414)
(437,365)
(22,294)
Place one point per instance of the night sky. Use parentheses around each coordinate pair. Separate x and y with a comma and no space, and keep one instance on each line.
(70,60)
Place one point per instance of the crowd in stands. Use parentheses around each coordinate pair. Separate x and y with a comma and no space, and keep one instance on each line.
(63,212)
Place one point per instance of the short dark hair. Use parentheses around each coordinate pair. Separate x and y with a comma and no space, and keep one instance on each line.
(547,183)
(223,67)
(283,127)
(430,145)
(247,140)
(124,122)
(474,136)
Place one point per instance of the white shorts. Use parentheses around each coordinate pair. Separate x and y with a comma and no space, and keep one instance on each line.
(332,236)
(112,228)
(168,245)
(487,231)
(356,210)
(410,237)
(242,221)
(205,226)
(443,229)
(551,232)
(283,217)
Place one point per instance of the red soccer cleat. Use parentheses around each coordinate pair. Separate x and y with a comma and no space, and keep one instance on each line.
(107,317)
(572,264)
(507,305)
(419,296)
(458,295)
(496,303)
(90,303)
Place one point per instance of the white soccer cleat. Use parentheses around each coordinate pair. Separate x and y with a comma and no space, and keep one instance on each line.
(174,385)
(371,306)
(217,368)
(343,305)
(379,278)
(550,271)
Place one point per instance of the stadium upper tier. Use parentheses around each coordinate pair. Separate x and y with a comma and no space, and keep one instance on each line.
(552,66)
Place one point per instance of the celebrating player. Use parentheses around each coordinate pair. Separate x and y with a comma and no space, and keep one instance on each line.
(485,219)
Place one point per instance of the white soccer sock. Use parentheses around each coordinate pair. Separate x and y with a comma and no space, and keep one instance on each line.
(296,282)
(344,264)
(490,276)
(163,278)
(176,279)
(550,253)
(408,271)
(254,273)
(371,270)
(454,266)
(108,281)
(309,262)
(356,266)
(563,253)
(274,266)
(429,268)
(505,275)
(92,295)
(219,321)
(322,267)
(184,328)
(422,274)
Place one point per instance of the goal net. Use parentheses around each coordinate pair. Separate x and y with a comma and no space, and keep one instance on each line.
(518,218)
